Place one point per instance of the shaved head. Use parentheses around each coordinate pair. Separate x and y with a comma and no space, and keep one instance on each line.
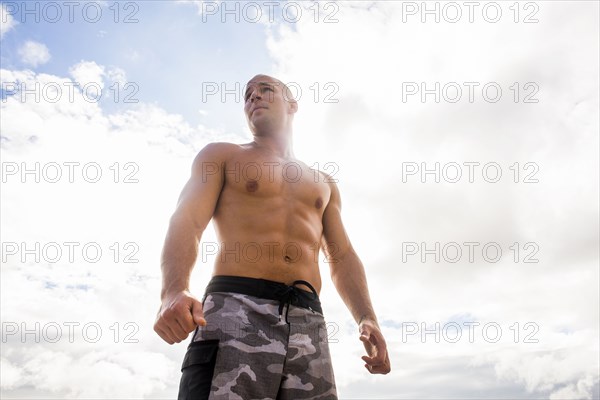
(261,78)
(269,106)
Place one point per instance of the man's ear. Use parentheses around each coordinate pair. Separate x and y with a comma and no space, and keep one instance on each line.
(293,107)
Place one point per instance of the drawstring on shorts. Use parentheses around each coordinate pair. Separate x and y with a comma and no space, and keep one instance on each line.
(290,295)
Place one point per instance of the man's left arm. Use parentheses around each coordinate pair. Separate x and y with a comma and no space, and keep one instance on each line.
(348,276)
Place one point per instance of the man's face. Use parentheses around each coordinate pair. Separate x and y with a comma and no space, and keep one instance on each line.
(266,102)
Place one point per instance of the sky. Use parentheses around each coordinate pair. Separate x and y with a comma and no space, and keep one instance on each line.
(464,137)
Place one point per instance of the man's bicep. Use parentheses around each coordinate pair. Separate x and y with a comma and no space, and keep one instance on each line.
(200,194)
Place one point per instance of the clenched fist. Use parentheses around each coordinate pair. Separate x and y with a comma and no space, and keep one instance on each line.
(179,314)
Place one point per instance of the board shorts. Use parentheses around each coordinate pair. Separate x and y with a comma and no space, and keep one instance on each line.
(263,340)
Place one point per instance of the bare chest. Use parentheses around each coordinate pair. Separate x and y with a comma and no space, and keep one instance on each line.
(274,178)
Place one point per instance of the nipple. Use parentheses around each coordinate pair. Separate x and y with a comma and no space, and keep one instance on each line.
(251,186)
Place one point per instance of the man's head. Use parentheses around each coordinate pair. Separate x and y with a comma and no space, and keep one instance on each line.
(269,106)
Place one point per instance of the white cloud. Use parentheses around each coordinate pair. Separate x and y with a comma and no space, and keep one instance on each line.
(581,390)
(34,53)
(116,74)
(159,148)
(7,22)
(88,72)
(569,371)
(94,78)
(368,54)
(11,374)
(371,131)
(103,371)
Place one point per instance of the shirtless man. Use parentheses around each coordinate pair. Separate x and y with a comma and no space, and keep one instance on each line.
(259,330)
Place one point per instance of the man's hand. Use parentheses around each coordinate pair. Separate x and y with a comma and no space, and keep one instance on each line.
(178,315)
(377,361)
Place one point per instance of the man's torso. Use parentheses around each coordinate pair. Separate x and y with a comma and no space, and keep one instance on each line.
(269,217)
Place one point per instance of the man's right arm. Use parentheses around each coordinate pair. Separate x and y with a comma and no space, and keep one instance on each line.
(180,311)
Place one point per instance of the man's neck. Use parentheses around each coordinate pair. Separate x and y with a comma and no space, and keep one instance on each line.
(281,146)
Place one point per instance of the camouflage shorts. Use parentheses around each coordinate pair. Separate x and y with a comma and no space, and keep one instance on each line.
(249,350)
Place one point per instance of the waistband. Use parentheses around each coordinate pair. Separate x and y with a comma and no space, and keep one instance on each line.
(267,289)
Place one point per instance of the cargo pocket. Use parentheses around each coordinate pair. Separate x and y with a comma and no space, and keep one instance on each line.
(197,370)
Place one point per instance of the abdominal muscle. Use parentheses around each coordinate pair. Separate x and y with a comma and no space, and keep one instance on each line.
(276,239)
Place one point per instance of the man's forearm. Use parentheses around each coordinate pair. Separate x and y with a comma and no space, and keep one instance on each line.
(348,276)
(178,256)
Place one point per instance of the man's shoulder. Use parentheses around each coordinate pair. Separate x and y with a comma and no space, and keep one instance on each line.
(222,147)
(329,180)
(218,151)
